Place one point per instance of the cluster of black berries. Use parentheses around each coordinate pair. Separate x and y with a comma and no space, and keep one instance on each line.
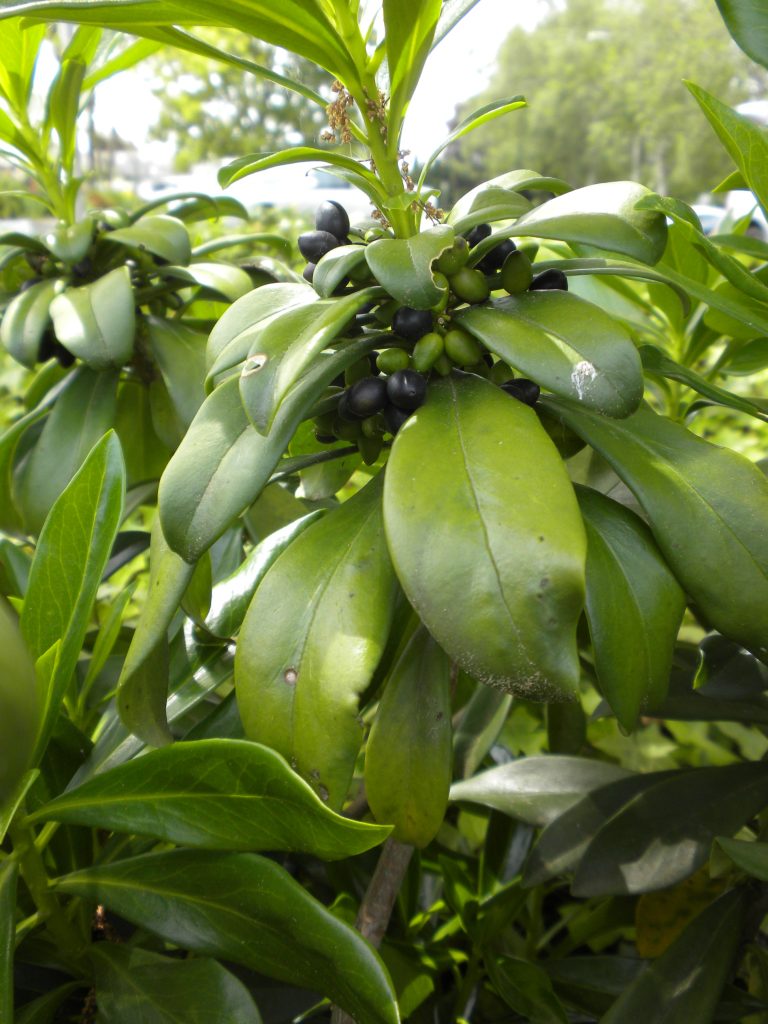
(332,228)
(423,342)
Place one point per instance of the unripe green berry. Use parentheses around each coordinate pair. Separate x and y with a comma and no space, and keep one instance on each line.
(517,273)
(454,259)
(461,348)
(501,372)
(443,365)
(390,360)
(426,351)
(470,285)
(345,430)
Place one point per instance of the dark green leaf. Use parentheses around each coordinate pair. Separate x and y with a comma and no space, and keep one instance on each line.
(744,360)
(565,344)
(747,22)
(230,598)
(9,870)
(20,710)
(214,794)
(162,235)
(143,684)
(43,1009)
(71,554)
(602,215)
(97,322)
(686,981)
(327,604)
(750,857)
(26,319)
(179,352)
(664,834)
(286,345)
(132,984)
(222,279)
(334,267)
(526,988)
(634,607)
(706,507)
(482,719)
(81,415)
(404,265)
(408,754)
(242,907)
(500,199)
(537,790)
(500,584)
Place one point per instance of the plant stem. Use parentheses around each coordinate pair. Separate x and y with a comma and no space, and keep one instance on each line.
(33,872)
(379,900)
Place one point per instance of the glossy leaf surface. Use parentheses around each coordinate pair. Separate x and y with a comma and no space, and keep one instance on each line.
(526,988)
(25,319)
(750,857)
(19,705)
(685,982)
(706,507)
(564,343)
(69,561)
(214,794)
(133,984)
(487,539)
(80,417)
(404,265)
(408,754)
(159,234)
(602,215)
(500,198)
(242,907)
(634,607)
(179,352)
(537,790)
(326,603)
(97,322)
(747,22)
(409,26)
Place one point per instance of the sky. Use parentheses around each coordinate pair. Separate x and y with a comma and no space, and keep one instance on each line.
(458,68)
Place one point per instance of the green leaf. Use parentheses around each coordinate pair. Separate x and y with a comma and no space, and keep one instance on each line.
(162,235)
(145,455)
(242,907)
(19,707)
(97,322)
(452,13)
(43,1009)
(9,871)
(267,238)
(286,345)
(230,598)
(409,26)
(327,605)
(135,984)
(747,22)
(408,754)
(749,856)
(745,141)
(69,561)
(334,267)
(70,242)
(500,198)
(403,266)
(179,352)
(63,106)
(537,790)
(234,333)
(480,723)
(526,989)
(215,794)
(255,162)
(81,415)
(565,344)
(686,981)
(744,360)
(476,119)
(197,206)
(25,321)
(634,607)
(19,47)
(656,361)
(222,279)
(706,506)
(143,683)
(223,463)
(664,834)
(500,583)
(602,215)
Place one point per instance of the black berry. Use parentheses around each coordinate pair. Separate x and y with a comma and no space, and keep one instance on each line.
(477,234)
(406,389)
(549,280)
(308,272)
(494,260)
(412,324)
(395,418)
(367,397)
(333,218)
(524,390)
(313,245)
(325,438)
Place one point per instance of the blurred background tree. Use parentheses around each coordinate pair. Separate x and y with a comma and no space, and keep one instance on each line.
(603,79)
(211,111)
